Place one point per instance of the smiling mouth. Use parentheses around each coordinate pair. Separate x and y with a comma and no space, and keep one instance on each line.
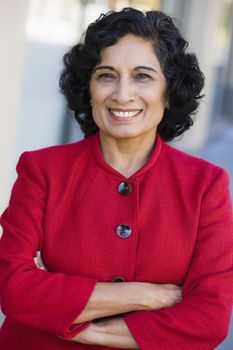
(125,114)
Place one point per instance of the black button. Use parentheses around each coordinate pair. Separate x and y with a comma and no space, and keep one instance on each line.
(123,231)
(124,188)
(118,279)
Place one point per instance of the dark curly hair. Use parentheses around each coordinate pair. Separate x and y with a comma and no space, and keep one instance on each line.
(183,77)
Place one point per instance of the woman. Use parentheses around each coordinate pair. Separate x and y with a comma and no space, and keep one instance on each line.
(120,206)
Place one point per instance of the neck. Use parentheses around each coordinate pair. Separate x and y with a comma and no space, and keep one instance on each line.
(126,155)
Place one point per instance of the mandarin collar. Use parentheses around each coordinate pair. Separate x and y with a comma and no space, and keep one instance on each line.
(106,167)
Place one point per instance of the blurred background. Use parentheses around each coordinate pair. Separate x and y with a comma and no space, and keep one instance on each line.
(34,35)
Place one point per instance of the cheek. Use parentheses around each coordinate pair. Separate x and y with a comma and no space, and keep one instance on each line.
(98,92)
(161,98)
(155,97)
(98,112)
(94,92)
(98,97)
(156,102)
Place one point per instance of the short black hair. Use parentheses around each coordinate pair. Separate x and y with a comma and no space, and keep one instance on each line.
(184,80)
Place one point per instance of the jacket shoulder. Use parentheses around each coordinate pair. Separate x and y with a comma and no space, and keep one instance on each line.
(191,166)
(59,158)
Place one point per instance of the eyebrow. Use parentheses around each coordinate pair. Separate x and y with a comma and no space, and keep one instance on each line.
(147,68)
(136,68)
(103,67)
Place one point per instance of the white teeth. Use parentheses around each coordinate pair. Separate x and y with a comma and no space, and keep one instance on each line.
(122,114)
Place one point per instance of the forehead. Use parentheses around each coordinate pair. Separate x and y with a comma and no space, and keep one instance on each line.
(130,50)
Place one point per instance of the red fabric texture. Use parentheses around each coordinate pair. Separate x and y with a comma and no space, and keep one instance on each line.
(65,204)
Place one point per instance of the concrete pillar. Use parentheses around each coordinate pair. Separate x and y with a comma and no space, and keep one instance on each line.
(13,16)
(174,8)
(228,93)
(199,21)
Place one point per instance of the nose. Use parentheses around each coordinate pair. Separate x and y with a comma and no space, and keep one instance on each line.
(124,91)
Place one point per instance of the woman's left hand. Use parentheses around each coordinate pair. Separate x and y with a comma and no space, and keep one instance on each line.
(39,262)
(92,335)
(108,332)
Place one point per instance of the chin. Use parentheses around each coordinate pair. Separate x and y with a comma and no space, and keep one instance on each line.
(127,135)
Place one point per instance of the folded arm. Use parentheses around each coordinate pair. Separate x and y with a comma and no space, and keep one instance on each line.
(201,320)
(109,299)
(55,302)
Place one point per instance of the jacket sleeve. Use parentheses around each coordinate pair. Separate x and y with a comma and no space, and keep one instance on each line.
(201,320)
(46,301)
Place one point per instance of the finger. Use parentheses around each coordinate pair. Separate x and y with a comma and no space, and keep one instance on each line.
(39,262)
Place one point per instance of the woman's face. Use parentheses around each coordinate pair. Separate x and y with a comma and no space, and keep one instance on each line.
(128,90)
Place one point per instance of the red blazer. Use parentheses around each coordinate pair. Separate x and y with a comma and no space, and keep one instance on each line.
(66,204)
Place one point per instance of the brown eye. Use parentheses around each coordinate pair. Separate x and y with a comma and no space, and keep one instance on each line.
(143,76)
(106,77)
